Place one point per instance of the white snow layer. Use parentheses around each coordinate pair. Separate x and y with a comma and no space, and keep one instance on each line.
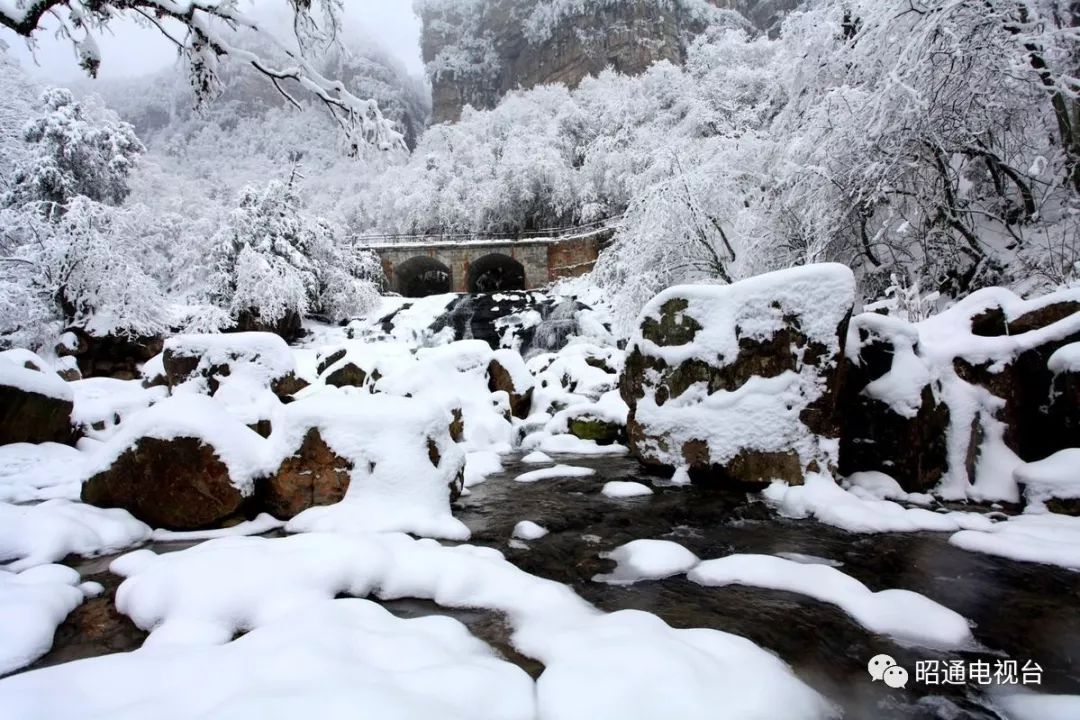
(40,472)
(1065,359)
(624,489)
(825,501)
(528,530)
(647,560)
(33,603)
(558,471)
(628,664)
(1032,537)
(33,535)
(1036,706)
(902,614)
(13,373)
(1055,477)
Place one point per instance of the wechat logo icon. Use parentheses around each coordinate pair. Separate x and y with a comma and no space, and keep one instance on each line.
(884,668)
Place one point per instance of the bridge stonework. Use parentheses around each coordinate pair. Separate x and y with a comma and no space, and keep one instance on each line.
(542,260)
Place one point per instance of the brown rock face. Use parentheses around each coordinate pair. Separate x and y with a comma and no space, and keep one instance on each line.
(499,379)
(315,475)
(178,484)
(33,418)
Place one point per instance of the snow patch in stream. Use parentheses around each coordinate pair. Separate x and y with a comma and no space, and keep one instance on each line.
(647,560)
(902,614)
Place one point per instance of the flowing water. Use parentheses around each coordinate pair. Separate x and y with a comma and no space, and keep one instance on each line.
(1020,611)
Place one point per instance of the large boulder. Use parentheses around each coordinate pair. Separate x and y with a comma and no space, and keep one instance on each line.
(455,377)
(35,403)
(182,464)
(1008,353)
(258,358)
(365,462)
(740,383)
(894,420)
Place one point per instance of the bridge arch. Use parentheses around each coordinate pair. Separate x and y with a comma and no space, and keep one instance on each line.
(422,275)
(495,272)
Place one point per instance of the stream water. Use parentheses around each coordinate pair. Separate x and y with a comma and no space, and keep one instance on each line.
(1019,611)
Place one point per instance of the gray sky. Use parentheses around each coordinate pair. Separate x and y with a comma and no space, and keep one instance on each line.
(131,50)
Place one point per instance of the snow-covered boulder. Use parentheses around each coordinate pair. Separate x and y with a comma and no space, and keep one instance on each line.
(894,420)
(390,461)
(603,421)
(455,377)
(184,463)
(389,445)
(361,364)
(35,403)
(205,360)
(740,382)
(105,355)
(507,372)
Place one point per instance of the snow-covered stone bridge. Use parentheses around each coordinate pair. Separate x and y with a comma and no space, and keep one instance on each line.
(432,266)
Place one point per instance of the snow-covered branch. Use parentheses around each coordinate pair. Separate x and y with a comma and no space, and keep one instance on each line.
(211,26)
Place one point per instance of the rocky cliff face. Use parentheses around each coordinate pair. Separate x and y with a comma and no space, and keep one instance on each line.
(478,50)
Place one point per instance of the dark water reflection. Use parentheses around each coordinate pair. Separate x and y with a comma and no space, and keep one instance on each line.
(1020,611)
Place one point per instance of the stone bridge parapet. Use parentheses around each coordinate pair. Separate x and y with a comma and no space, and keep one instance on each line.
(415,269)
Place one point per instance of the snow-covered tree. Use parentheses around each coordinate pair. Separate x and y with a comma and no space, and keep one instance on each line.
(73,150)
(74,265)
(935,135)
(209,31)
(274,265)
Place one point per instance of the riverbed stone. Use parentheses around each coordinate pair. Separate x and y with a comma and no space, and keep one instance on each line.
(179,484)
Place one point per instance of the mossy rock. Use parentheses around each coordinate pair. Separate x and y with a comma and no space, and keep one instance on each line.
(590,428)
